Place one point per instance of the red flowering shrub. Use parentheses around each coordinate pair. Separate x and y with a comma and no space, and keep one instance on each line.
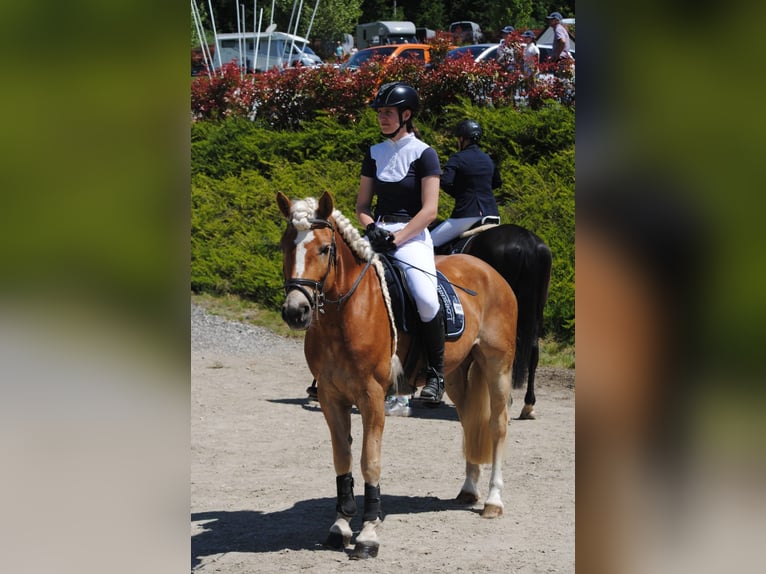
(284,99)
(440,44)
(219,95)
(554,82)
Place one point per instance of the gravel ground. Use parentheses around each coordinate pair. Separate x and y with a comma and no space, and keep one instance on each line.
(263,483)
(217,334)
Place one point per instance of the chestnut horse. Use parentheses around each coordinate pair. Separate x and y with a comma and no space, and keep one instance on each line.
(335,289)
(525,261)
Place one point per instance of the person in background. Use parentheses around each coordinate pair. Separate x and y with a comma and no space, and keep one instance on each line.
(338,52)
(531,55)
(402,174)
(508,50)
(470,176)
(560,49)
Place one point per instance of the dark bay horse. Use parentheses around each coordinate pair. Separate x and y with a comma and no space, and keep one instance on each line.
(525,261)
(336,291)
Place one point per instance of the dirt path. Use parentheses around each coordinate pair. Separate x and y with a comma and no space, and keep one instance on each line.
(263,485)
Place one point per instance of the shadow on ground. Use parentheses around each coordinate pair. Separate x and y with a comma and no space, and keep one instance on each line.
(443,412)
(301,527)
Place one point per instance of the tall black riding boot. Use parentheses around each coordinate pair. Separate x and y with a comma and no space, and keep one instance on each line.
(433,338)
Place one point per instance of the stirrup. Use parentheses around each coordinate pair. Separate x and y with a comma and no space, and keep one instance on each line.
(433,391)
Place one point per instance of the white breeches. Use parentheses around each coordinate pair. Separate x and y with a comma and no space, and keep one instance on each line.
(416,258)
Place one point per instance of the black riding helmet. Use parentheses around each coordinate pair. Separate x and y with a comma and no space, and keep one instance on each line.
(400,96)
(470,130)
(396,95)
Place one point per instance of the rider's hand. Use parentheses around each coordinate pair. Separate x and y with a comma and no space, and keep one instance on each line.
(381,240)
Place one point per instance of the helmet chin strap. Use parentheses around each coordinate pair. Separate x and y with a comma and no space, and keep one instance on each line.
(397,130)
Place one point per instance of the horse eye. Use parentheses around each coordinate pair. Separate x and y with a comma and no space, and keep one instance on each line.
(324,250)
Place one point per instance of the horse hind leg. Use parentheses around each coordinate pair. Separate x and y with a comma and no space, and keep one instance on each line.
(528,410)
(543,265)
(493,506)
(495,376)
(469,493)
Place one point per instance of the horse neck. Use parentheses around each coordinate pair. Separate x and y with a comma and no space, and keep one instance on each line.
(348,268)
(361,304)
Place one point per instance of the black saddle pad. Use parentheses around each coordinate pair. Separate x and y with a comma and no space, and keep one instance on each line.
(405,313)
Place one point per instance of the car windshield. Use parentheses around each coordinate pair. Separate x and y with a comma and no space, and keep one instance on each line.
(360,57)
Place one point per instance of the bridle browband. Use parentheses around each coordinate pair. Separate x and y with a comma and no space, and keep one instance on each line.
(318,299)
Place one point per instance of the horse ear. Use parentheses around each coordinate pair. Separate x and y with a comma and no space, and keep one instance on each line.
(325,206)
(284,204)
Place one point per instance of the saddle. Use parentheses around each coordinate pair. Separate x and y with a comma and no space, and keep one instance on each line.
(403,305)
(459,244)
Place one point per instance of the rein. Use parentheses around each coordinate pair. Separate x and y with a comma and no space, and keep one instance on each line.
(318,299)
(471,292)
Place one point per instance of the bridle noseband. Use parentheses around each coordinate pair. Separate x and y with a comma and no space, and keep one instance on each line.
(317,299)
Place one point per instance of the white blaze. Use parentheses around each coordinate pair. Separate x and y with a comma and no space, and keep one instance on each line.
(301,240)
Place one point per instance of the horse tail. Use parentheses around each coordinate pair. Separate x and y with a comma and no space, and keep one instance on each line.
(397,375)
(475,417)
(532,293)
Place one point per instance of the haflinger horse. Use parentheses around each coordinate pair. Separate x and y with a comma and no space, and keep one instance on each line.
(525,261)
(335,289)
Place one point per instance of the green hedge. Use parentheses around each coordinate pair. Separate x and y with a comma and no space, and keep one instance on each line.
(237,168)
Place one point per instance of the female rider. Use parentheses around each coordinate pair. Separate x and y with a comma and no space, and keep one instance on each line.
(403,173)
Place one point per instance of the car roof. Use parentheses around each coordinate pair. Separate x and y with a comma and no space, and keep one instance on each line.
(388,50)
(397,46)
(476,50)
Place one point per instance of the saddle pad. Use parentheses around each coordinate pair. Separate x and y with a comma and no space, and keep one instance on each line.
(454,319)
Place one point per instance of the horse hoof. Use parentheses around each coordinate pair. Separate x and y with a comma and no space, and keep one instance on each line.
(527,413)
(492,511)
(364,550)
(466,498)
(337,540)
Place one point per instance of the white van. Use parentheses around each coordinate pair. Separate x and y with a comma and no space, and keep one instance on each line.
(275,49)
(379,33)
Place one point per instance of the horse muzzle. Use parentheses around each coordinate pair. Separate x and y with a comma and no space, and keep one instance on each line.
(297,310)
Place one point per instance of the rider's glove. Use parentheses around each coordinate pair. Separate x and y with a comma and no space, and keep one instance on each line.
(381,240)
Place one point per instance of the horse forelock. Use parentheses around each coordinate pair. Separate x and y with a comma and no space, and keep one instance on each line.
(301,212)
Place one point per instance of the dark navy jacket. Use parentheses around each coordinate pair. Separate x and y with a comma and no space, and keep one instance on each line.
(469,176)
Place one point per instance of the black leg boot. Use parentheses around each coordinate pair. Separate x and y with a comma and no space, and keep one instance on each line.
(433,338)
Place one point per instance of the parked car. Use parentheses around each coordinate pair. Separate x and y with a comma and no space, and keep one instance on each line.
(274,49)
(418,52)
(479,52)
(466,31)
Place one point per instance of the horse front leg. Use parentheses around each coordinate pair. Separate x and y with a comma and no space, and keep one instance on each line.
(373,421)
(338,418)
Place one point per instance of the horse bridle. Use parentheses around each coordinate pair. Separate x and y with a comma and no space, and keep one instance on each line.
(318,298)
